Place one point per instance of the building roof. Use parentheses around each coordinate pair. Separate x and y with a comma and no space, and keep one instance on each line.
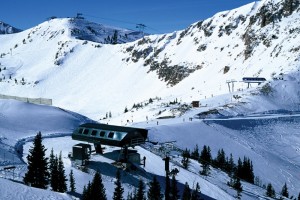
(110,127)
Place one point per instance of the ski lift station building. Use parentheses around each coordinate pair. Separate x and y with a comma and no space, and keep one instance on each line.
(103,134)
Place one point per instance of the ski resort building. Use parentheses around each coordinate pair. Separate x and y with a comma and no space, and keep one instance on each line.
(118,136)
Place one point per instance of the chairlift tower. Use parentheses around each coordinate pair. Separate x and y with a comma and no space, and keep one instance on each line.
(79,16)
(232,81)
(141,28)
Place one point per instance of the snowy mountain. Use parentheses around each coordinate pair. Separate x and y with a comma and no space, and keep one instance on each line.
(8,29)
(191,64)
(85,30)
(73,62)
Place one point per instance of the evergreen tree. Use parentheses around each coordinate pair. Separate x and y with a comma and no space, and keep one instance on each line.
(141,191)
(51,161)
(115,38)
(284,191)
(186,195)
(168,188)
(37,174)
(54,174)
(230,166)
(239,169)
(150,100)
(205,160)
(154,192)
(62,179)
(220,160)
(248,174)
(119,190)
(299,196)
(97,188)
(270,191)
(238,186)
(174,190)
(195,154)
(86,193)
(185,159)
(72,181)
(196,193)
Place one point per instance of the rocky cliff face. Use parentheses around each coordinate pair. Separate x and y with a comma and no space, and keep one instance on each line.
(238,37)
(7,29)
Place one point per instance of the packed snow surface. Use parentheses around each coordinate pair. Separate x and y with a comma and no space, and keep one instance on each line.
(151,83)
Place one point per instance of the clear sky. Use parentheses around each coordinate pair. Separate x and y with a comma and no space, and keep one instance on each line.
(160,16)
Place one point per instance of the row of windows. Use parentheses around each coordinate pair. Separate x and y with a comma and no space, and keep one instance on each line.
(94,132)
(253,79)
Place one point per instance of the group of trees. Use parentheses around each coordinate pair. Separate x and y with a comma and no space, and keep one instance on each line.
(284,192)
(43,170)
(96,190)
(57,173)
(240,171)
(243,170)
(113,39)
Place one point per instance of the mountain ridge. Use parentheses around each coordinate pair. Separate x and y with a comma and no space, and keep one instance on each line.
(8,29)
(227,46)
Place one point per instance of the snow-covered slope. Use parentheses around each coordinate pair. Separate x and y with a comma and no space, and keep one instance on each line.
(158,76)
(85,30)
(21,121)
(191,64)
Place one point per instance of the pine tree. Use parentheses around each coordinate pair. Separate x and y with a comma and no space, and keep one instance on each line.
(119,190)
(54,175)
(185,159)
(115,38)
(154,192)
(141,191)
(196,193)
(86,193)
(168,188)
(72,181)
(97,187)
(247,170)
(238,186)
(174,189)
(270,191)
(239,169)
(37,174)
(230,166)
(220,160)
(205,160)
(284,191)
(62,179)
(186,194)
(299,196)
(195,154)
(51,161)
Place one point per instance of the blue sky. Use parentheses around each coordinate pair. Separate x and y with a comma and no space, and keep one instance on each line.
(160,16)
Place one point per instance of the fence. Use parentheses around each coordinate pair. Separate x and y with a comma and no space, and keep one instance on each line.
(42,101)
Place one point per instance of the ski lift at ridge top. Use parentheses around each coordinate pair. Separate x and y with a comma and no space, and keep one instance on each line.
(141,27)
